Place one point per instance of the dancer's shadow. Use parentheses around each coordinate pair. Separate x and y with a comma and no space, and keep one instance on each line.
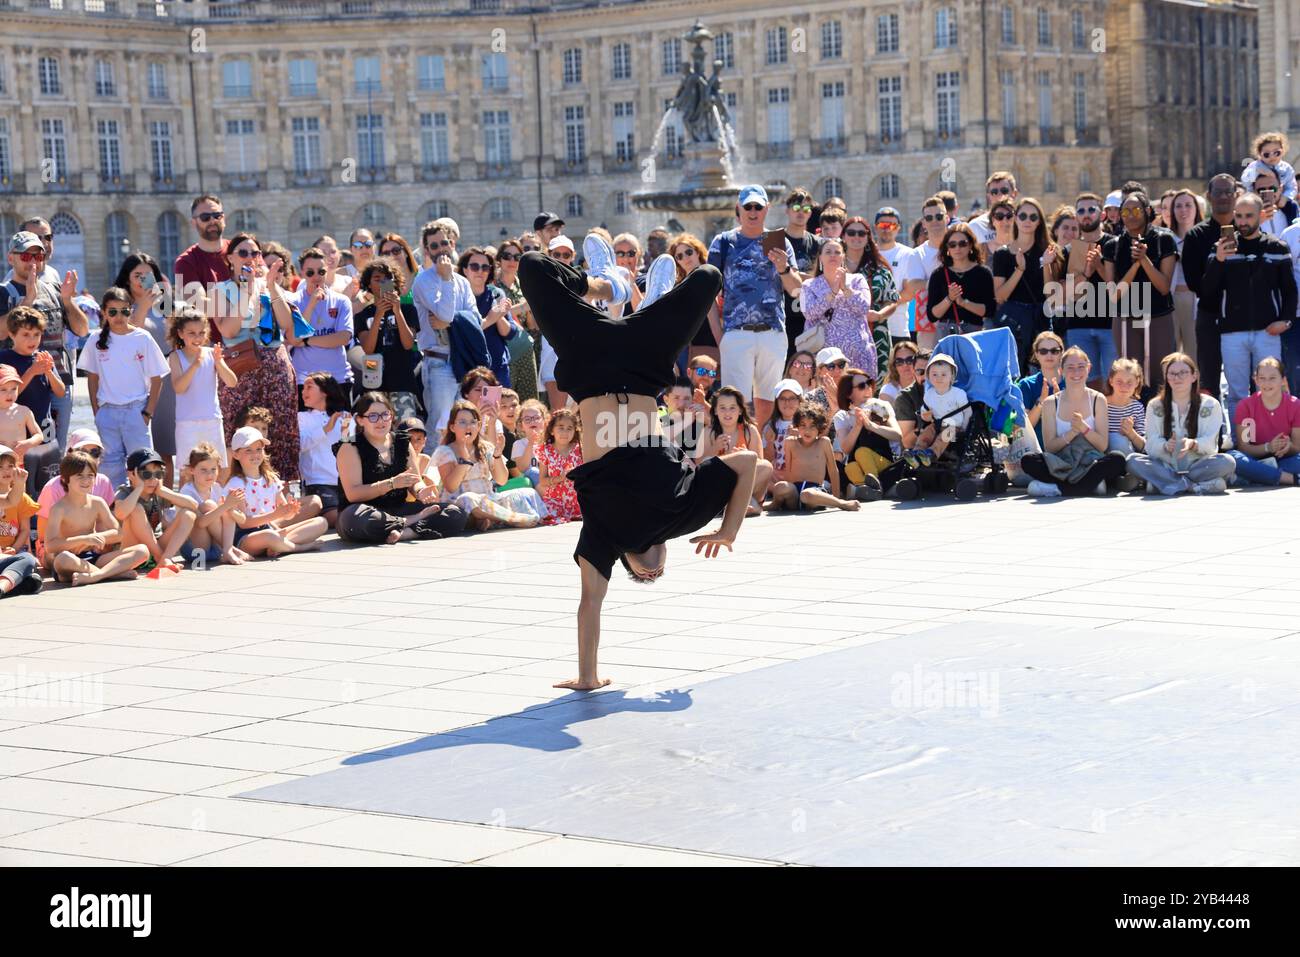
(540,727)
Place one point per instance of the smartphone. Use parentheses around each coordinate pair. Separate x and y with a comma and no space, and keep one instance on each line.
(148,282)
(386,287)
(493,396)
(1228,231)
(773,239)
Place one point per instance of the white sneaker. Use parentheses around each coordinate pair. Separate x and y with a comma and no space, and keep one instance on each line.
(1100,489)
(1212,487)
(1044,489)
(660,277)
(600,263)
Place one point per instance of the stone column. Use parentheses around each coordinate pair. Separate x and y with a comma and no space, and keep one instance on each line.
(402,154)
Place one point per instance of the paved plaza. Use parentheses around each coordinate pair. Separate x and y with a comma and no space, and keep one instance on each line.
(215,684)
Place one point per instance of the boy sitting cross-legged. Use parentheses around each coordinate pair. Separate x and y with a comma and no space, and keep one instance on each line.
(140,505)
(82,537)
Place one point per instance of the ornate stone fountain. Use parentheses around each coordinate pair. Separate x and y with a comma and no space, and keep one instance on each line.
(704,202)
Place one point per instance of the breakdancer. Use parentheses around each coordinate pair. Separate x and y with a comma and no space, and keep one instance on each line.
(635,488)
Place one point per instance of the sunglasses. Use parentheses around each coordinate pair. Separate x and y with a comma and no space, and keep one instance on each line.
(935,217)
(887,224)
(45,238)
(93,452)
(508,257)
(711,373)
(1004,191)
(1002,217)
(753,207)
(391,251)
(208,217)
(32,256)
(562,254)
(479,267)
(799,208)
(801,365)
(1132,212)
(248,253)
(313,272)
(838,364)
(959,244)
(150,475)
(1270,154)
(1050,351)
(861,385)
(363,244)
(856,233)
(1087,210)
(625,253)
(905,361)
(376,417)
(1027,217)
(684,254)
(439,245)
(112,313)
(532,249)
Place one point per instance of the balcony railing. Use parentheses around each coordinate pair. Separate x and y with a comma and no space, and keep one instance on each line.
(830,146)
(114,183)
(302,89)
(495,170)
(619,164)
(1087,135)
(571,167)
(774,151)
(164,184)
(1051,135)
(308,177)
(938,139)
(67,183)
(237,91)
(13,183)
(886,143)
(241,181)
(433,173)
(1015,135)
(376,174)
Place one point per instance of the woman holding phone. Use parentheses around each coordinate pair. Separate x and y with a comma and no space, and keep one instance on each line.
(479,266)
(150,292)
(523,370)
(386,331)
(1140,263)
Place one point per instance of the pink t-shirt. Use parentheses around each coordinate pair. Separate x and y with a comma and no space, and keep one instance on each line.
(54,491)
(1268,424)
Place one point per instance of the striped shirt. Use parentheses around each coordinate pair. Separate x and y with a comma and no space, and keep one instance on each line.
(1115,415)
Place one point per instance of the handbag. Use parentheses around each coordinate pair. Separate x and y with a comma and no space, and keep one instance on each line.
(242,358)
(813,338)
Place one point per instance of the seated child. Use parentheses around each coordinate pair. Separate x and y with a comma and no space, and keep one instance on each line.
(942,401)
(82,537)
(812,478)
(18,429)
(40,382)
(508,417)
(532,423)
(682,417)
(141,506)
(324,423)
(81,440)
(213,534)
(561,453)
(19,574)
(1269,150)
(260,418)
(270,523)
(419,435)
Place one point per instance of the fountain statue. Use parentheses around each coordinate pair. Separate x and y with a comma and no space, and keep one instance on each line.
(705,199)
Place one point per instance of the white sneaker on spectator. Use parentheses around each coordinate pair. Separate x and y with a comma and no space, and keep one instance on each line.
(600,263)
(659,278)
(1100,489)
(1211,487)
(1044,489)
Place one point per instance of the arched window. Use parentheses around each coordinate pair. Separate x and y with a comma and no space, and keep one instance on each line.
(243,220)
(573,205)
(831,186)
(500,210)
(375,216)
(306,224)
(169,237)
(433,209)
(65,224)
(889,187)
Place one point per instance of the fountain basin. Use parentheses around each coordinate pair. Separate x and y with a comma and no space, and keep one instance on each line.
(705,199)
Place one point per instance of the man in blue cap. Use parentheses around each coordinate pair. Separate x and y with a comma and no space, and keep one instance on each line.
(753,342)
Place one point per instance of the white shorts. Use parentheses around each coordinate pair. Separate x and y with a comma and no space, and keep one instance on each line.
(753,362)
(547,371)
(191,432)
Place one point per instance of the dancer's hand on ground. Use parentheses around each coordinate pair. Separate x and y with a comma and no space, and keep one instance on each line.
(711,545)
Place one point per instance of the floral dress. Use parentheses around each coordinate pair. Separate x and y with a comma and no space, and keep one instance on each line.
(844,317)
(883,292)
(523,371)
(562,498)
(520,507)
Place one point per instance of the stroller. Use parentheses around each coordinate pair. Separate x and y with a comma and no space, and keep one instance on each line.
(987,369)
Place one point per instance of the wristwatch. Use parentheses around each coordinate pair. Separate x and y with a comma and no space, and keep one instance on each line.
(306,340)
(785,270)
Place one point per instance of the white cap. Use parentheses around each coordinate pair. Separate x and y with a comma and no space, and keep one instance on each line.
(5,450)
(787,385)
(561,242)
(83,437)
(1114,198)
(246,436)
(830,354)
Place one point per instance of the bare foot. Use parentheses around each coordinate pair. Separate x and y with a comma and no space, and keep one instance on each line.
(852,505)
(485,524)
(128,576)
(242,554)
(282,547)
(753,510)
(231,557)
(393,538)
(84,578)
(578,684)
(308,546)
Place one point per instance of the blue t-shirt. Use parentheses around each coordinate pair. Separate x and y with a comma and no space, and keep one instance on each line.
(1031,390)
(751,288)
(37,396)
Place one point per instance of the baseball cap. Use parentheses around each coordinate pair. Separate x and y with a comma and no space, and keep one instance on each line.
(23,241)
(940,357)
(542,220)
(787,385)
(561,242)
(884,211)
(83,437)
(753,194)
(246,436)
(414,424)
(830,354)
(5,450)
(9,374)
(141,457)
(1114,198)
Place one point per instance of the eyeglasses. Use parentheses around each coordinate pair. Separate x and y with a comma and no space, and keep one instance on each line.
(508,257)
(798,208)
(531,420)
(959,244)
(479,267)
(114,313)
(1002,217)
(150,475)
(532,249)
(905,361)
(1049,351)
(1003,191)
(935,217)
(711,373)
(855,233)
(753,207)
(1027,217)
(625,253)
(1177,373)
(313,272)
(376,417)
(32,256)
(1087,210)
(208,217)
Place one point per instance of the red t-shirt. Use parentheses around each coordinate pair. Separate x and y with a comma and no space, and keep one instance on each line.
(200,266)
(1268,424)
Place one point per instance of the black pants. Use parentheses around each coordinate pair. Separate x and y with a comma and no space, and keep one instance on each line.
(1209,351)
(363,524)
(596,353)
(1106,469)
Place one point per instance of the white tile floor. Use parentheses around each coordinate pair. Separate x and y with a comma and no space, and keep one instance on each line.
(131,713)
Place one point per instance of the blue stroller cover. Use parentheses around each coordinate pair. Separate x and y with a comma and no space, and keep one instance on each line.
(987,370)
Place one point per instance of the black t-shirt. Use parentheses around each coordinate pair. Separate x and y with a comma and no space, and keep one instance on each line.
(374,469)
(806,250)
(38,394)
(153,505)
(1030,287)
(1160,244)
(399,362)
(976,285)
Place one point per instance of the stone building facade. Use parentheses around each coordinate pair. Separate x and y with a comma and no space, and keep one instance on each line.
(1279,70)
(312,116)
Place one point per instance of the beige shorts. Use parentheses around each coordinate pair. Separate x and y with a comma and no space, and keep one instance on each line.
(753,362)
